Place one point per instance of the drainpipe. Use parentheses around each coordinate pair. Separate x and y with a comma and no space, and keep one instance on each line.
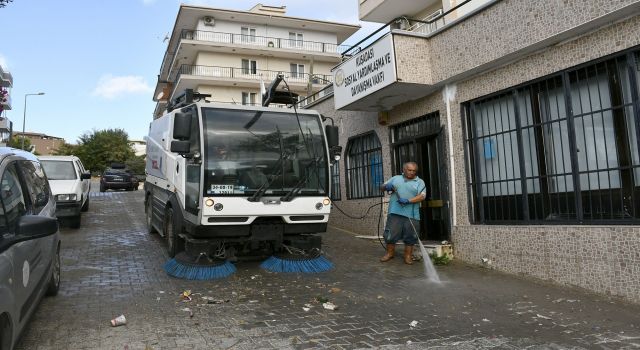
(448,95)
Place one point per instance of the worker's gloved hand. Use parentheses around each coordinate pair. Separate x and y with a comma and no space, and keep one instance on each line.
(388,187)
(403,201)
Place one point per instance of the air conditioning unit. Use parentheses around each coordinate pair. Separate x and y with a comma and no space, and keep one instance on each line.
(208,21)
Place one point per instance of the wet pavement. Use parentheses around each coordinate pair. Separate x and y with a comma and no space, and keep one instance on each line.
(111,266)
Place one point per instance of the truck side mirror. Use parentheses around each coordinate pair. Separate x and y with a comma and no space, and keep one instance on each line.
(182,126)
(332,135)
(180,147)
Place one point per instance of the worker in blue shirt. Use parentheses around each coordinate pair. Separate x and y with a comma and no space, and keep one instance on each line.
(403,220)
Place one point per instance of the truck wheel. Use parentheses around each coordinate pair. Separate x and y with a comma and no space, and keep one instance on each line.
(174,243)
(74,222)
(54,281)
(85,206)
(149,215)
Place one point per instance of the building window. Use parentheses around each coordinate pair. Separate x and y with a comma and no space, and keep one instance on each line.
(564,149)
(295,39)
(335,181)
(249,67)
(248,34)
(364,166)
(297,70)
(249,98)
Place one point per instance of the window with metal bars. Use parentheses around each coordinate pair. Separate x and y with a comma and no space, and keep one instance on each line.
(563,149)
(335,181)
(363,166)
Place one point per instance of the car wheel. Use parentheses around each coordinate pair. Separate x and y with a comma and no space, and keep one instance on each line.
(74,222)
(85,206)
(149,212)
(174,243)
(54,280)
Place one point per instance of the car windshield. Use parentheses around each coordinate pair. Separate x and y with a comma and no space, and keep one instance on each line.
(248,150)
(59,169)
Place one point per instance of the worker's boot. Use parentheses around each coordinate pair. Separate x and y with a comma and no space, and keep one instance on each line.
(408,254)
(391,250)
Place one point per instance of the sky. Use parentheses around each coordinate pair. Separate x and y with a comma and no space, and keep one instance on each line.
(97,61)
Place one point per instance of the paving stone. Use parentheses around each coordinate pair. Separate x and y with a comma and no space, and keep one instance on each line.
(111,266)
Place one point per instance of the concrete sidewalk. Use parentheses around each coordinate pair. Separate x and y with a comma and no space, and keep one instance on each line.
(111,266)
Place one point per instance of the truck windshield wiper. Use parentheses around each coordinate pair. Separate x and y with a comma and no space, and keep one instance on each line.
(298,186)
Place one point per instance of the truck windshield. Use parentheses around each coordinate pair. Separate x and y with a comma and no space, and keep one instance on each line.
(59,170)
(250,150)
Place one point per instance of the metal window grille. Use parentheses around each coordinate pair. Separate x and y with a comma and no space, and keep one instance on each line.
(364,166)
(335,182)
(563,149)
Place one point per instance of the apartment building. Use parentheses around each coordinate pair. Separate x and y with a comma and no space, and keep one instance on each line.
(6,126)
(228,53)
(524,118)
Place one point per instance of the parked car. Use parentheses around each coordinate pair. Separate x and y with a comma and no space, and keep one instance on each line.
(29,242)
(118,177)
(70,184)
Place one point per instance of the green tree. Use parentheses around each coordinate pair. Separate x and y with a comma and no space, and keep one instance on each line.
(66,149)
(100,148)
(136,164)
(16,142)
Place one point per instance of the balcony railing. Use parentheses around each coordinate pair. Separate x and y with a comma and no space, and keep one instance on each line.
(325,92)
(252,74)
(262,41)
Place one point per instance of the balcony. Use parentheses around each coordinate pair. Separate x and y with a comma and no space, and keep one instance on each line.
(383,11)
(192,76)
(6,79)
(193,41)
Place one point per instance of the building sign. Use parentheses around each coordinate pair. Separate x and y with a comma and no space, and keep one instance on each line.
(365,73)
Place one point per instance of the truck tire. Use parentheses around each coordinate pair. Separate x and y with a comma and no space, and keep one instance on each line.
(85,206)
(54,281)
(174,243)
(149,215)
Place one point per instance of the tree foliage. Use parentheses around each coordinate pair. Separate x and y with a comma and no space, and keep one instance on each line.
(16,142)
(136,164)
(4,3)
(99,148)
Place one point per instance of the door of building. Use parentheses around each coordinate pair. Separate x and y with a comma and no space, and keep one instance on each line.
(422,141)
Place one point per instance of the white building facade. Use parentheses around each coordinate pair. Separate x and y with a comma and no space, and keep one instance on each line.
(229,53)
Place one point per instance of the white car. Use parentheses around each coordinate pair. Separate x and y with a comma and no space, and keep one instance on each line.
(70,184)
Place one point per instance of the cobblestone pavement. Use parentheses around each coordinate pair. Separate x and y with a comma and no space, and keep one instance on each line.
(111,266)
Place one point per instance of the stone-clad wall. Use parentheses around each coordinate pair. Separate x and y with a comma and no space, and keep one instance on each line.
(352,123)
(510,26)
(600,258)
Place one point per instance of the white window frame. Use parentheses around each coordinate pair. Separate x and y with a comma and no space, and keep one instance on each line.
(296,39)
(249,66)
(296,70)
(247,34)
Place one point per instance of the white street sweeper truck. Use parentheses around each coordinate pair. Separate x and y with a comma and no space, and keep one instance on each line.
(227,181)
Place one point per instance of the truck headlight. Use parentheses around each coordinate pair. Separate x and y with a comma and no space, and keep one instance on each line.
(66,197)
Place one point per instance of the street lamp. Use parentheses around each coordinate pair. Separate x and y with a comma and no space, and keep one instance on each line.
(24,115)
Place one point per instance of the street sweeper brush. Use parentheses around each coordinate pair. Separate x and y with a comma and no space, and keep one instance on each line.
(200,267)
(297,260)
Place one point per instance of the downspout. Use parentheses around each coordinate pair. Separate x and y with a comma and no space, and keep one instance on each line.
(448,95)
